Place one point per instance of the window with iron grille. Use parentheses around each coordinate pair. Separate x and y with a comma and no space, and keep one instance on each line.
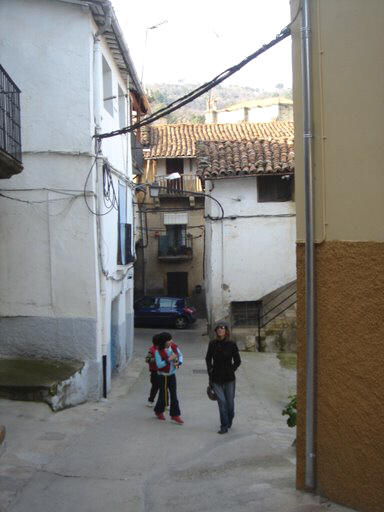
(246,312)
(10,132)
(124,242)
(274,188)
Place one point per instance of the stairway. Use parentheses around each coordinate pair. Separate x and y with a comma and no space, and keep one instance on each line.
(58,383)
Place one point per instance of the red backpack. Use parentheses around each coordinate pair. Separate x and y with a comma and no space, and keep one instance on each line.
(150,359)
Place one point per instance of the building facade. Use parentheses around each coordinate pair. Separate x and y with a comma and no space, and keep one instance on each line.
(250,227)
(252,111)
(66,276)
(347,90)
(170,255)
(178,213)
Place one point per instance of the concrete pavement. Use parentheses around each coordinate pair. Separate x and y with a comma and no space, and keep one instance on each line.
(115,455)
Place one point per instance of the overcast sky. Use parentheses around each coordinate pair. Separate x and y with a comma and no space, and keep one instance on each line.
(201,38)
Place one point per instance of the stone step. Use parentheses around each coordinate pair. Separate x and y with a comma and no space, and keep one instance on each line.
(39,380)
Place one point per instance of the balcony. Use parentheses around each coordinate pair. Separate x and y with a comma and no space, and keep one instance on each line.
(137,155)
(174,252)
(178,187)
(10,132)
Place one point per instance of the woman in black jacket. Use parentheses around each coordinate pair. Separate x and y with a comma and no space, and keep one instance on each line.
(222,360)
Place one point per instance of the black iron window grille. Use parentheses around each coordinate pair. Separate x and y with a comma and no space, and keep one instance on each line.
(10,132)
(246,312)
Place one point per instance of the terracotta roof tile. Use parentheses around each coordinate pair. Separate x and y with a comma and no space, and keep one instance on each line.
(234,158)
(179,140)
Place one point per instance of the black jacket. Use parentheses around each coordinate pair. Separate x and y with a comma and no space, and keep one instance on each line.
(222,360)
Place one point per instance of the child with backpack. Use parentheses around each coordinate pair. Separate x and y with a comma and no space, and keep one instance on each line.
(154,377)
(168,358)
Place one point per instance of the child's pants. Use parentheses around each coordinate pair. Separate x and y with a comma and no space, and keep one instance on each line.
(167,382)
(155,385)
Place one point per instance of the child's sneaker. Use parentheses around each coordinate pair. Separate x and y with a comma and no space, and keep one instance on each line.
(160,416)
(177,419)
(150,404)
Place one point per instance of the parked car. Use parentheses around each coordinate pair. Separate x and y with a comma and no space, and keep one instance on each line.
(167,311)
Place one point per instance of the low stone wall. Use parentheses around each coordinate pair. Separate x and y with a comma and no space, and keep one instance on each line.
(278,336)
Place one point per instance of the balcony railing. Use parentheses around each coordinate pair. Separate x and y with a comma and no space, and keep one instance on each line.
(179,186)
(171,251)
(137,155)
(10,133)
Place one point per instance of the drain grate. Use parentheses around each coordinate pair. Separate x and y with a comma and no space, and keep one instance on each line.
(199,371)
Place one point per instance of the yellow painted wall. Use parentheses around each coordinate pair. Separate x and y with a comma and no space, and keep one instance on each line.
(348,107)
(155,270)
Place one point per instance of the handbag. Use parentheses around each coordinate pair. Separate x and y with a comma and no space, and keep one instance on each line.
(210,391)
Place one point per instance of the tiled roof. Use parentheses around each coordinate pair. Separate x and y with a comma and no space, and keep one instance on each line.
(234,158)
(178,140)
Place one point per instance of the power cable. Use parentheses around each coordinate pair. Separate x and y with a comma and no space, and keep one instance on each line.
(109,193)
(175,105)
(44,201)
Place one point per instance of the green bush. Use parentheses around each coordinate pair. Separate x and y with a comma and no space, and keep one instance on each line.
(290,410)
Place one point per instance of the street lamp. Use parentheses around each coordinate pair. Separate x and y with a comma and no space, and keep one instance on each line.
(154,190)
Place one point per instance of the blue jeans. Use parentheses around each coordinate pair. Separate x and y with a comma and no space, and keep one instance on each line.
(225,393)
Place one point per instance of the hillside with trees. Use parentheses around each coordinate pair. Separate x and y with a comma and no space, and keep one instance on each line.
(161,95)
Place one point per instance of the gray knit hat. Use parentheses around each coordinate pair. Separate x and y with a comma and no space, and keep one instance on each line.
(221,324)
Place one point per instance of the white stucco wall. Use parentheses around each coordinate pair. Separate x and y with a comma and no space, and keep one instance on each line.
(264,114)
(45,49)
(50,61)
(50,264)
(250,254)
(255,115)
(231,116)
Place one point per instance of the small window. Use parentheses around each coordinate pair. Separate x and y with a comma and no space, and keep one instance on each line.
(274,188)
(246,313)
(107,87)
(174,165)
(176,234)
(122,108)
(124,243)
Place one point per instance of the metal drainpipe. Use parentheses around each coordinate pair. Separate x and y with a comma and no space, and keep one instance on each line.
(97,109)
(309,244)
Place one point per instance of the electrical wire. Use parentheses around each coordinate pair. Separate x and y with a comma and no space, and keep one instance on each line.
(109,194)
(168,209)
(44,201)
(175,105)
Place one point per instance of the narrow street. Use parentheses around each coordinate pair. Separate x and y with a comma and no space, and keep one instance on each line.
(115,455)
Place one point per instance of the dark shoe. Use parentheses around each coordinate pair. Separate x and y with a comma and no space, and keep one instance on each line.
(223,430)
(177,419)
(160,416)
